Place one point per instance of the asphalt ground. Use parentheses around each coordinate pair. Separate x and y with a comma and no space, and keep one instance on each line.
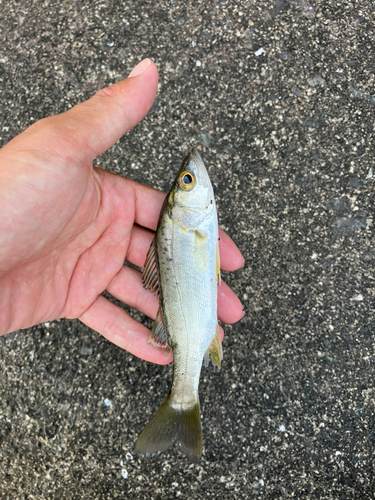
(280,97)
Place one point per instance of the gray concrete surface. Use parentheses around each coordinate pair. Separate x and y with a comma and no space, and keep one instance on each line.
(288,135)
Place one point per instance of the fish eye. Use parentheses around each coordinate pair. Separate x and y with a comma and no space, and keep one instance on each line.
(186,181)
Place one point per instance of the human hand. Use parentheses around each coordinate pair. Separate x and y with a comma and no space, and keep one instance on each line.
(66,227)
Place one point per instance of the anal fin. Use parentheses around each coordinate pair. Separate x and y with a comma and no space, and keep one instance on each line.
(215,351)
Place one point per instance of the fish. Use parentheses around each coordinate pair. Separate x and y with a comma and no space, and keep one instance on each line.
(182,268)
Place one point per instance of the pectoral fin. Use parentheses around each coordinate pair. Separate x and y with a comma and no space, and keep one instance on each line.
(218,264)
(158,337)
(201,252)
(150,275)
(215,351)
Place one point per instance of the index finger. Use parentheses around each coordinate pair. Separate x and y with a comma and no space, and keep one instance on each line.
(147,203)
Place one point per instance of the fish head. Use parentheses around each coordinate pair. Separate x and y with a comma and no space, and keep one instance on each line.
(191,196)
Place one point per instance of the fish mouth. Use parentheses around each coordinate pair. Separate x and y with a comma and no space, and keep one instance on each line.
(196,156)
(204,201)
(193,157)
(201,169)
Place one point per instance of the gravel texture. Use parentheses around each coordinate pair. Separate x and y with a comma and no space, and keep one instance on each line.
(280,95)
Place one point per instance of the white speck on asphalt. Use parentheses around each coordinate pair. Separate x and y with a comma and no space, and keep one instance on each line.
(281,428)
(107,402)
(198,63)
(259,52)
(358,297)
(124,473)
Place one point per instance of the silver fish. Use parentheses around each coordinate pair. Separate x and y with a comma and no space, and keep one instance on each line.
(182,267)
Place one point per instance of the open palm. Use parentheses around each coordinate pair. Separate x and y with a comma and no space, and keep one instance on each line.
(66,227)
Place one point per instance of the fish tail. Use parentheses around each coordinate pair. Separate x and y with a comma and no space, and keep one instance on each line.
(169,425)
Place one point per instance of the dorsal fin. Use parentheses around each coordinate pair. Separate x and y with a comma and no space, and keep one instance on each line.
(158,337)
(150,275)
(150,278)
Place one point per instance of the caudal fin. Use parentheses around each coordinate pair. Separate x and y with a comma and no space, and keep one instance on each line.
(169,425)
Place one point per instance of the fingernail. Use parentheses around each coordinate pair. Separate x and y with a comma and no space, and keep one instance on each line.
(140,68)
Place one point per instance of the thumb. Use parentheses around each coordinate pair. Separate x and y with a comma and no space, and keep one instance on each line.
(113,111)
(90,128)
